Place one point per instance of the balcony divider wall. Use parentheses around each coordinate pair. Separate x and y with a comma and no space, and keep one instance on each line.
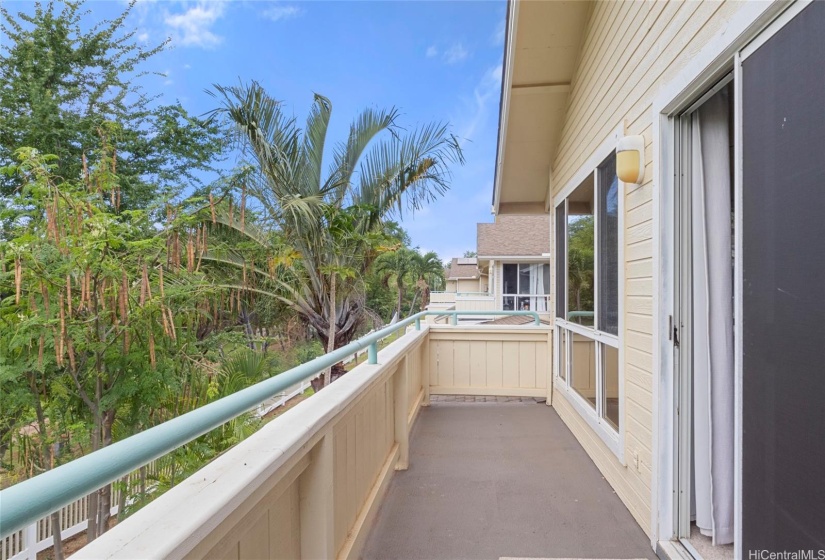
(309,483)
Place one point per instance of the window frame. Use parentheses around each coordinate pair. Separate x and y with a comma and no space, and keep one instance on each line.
(547,295)
(595,417)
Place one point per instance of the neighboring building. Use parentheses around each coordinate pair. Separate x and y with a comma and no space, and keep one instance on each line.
(688,310)
(511,272)
(515,252)
(463,275)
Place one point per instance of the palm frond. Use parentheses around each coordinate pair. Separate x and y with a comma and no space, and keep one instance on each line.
(369,124)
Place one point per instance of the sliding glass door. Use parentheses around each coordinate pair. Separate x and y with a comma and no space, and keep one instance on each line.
(783,275)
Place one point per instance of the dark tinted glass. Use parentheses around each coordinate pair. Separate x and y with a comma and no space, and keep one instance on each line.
(608,231)
(561,275)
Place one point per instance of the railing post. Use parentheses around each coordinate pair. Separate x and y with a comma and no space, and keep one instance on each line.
(30,541)
(372,353)
(418,323)
(454,319)
(400,401)
(537,320)
(317,506)
(425,371)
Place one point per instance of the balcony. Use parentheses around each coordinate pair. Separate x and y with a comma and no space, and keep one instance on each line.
(462,302)
(444,448)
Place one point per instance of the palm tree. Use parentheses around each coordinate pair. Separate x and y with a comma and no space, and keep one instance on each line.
(428,269)
(398,265)
(328,226)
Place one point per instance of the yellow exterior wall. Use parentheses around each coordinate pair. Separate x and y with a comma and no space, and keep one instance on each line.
(630,50)
(468,285)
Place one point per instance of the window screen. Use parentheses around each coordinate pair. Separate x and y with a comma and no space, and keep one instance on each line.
(608,222)
(561,265)
(510,279)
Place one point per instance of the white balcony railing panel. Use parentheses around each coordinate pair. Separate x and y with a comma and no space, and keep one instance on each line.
(308,484)
(475,303)
(298,488)
(442,297)
(485,360)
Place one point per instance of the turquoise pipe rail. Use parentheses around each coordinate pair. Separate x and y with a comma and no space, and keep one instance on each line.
(35,498)
(580,315)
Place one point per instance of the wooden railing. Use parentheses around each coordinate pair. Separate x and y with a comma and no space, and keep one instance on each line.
(308,484)
(442,297)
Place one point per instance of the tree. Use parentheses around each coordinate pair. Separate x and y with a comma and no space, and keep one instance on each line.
(470,254)
(61,79)
(580,263)
(375,173)
(397,265)
(429,270)
(93,324)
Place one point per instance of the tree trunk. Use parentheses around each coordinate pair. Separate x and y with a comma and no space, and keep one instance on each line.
(425,296)
(412,305)
(105,501)
(246,320)
(331,339)
(46,457)
(400,297)
(58,539)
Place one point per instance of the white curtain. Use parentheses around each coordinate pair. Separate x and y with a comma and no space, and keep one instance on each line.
(537,287)
(713,418)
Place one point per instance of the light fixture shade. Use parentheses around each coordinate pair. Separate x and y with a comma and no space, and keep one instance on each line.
(630,159)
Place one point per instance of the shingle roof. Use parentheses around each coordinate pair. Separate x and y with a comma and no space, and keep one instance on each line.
(463,268)
(515,235)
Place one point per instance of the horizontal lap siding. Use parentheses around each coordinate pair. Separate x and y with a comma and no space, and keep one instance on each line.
(630,50)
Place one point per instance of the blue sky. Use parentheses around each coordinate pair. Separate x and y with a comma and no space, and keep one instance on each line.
(435,61)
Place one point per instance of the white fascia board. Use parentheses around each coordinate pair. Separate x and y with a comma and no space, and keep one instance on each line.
(519,258)
(506,85)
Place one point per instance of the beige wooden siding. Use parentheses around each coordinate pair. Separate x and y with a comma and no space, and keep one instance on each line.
(630,50)
(307,485)
(463,285)
(490,361)
(475,303)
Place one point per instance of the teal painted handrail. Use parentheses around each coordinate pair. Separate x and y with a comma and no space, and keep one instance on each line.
(580,314)
(35,498)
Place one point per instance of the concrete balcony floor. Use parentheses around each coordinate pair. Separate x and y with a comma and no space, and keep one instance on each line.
(496,478)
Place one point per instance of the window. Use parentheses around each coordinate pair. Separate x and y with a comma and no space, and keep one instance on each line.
(587,299)
(526,287)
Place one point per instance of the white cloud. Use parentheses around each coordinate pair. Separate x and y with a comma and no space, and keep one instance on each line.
(498,35)
(194,26)
(169,81)
(278,12)
(456,53)
(487,91)
(143,37)
(432,51)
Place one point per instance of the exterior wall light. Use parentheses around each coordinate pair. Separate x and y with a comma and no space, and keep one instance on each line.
(630,160)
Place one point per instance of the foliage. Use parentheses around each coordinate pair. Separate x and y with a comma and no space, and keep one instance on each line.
(61,79)
(580,264)
(91,322)
(318,229)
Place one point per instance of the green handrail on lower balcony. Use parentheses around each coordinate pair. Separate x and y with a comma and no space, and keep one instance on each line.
(30,500)
(580,315)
